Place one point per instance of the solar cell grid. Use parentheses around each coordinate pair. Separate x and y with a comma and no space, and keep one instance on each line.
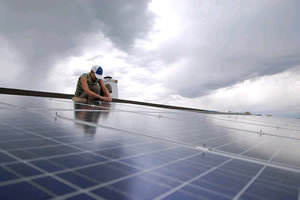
(50,148)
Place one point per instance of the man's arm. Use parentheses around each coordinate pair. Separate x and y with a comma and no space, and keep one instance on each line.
(87,90)
(106,92)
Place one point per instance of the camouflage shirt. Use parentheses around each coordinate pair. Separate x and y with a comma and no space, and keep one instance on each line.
(79,88)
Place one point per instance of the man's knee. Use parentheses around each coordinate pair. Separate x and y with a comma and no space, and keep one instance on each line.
(96,89)
(79,99)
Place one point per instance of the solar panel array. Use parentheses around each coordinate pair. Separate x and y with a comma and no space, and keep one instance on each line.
(57,149)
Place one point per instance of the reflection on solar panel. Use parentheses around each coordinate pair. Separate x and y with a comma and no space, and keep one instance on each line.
(55,149)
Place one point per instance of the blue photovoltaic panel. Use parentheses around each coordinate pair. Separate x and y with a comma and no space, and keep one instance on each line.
(55,149)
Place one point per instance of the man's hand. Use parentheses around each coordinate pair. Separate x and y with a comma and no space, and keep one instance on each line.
(107,99)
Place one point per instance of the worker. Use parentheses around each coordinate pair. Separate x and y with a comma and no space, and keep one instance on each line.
(89,86)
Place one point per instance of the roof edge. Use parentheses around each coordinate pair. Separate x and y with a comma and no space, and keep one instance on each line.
(13,91)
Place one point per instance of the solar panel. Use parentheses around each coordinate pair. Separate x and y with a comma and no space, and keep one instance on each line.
(57,149)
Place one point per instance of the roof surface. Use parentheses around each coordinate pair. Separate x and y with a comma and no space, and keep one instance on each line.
(54,148)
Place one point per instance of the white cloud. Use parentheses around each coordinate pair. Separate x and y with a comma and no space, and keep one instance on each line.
(67,71)
(217,44)
(273,94)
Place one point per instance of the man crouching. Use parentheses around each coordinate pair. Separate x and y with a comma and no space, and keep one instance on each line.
(89,86)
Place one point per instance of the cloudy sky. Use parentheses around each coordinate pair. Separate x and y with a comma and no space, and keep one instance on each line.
(210,54)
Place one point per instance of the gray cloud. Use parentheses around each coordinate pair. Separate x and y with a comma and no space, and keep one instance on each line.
(225,42)
(46,31)
(95,57)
